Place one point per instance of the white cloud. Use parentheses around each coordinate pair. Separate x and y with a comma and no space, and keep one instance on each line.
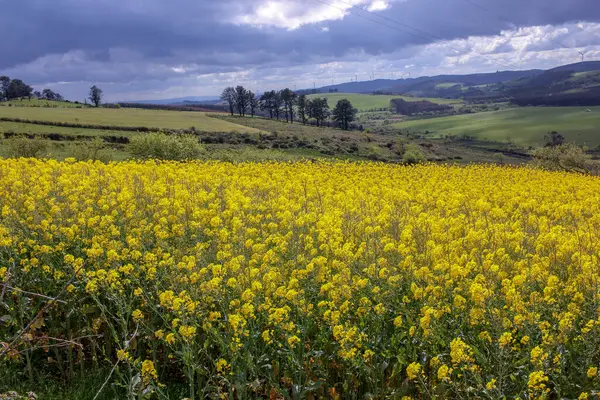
(292,14)
(126,75)
(378,5)
(477,54)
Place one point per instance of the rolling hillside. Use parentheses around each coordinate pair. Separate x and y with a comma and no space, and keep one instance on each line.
(124,118)
(574,84)
(416,85)
(366,102)
(523,126)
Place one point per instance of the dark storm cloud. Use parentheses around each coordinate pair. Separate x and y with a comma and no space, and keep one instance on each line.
(125,40)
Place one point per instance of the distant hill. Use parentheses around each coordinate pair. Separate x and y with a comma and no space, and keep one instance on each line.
(577,84)
(356,87)
(177,100)
(570,85)
(415,86)
(193,103)
(579,67)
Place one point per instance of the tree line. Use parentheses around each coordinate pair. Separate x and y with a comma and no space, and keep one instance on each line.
(12,89)
(279,104)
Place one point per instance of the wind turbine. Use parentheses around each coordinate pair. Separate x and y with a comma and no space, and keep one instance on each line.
(582,56)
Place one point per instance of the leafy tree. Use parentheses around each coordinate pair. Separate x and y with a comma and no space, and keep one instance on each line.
(4,84)
(252,102)
(37,94)
(27,91)
(51,95)
(302,105)
(228,96)
(277,103)
(265,103)
(241,100)
(554,139)
(319,110)
(344,113)
(563,157)
(95,95)
(48,94)
(18,89)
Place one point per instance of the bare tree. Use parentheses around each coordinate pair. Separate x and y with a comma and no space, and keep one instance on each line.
(252,102)
(266,102)
(288,97)
(241,100)
(302,105)
(228,96)
(276,104)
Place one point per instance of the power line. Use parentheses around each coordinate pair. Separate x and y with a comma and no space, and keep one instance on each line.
(420,33)
(368,19)
(404,31)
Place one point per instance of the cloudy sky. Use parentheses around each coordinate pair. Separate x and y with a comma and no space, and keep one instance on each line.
(155,49)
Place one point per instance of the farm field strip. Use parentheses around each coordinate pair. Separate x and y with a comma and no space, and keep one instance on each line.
(126,117)
(26,128)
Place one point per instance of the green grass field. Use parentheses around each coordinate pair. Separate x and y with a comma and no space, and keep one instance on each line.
(523,126)
(18,127)
(365,102)
(126,117)
(41,103)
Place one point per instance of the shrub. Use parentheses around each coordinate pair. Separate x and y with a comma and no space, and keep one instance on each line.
(93,150)
(22,146)
(564,157)
(165,147)
(413,155)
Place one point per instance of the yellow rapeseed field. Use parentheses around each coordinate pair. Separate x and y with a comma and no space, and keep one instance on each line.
(302,280)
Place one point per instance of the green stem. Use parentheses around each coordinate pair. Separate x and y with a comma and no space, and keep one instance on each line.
(59,361)
(29,368)
(94,355)
(192,388)
(70,348)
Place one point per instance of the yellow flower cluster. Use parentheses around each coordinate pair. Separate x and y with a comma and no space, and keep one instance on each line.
(329,277)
